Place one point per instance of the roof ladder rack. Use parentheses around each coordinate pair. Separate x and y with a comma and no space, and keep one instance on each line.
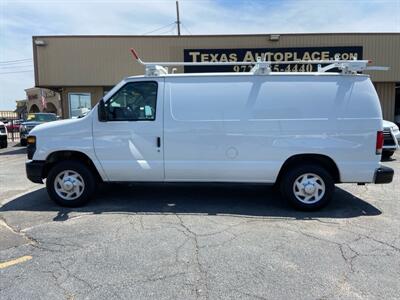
(263,67)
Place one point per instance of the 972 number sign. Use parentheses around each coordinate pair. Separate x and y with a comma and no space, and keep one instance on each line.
(279,68)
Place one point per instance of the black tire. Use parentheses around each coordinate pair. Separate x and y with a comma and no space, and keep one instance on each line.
(83,171)
(23,142)
(288,181)
(387,154)
(3,144)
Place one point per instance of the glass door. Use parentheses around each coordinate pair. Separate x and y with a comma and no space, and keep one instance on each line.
(79,104)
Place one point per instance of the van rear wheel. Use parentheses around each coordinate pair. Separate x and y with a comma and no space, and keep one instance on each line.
(70,183)
(307,187)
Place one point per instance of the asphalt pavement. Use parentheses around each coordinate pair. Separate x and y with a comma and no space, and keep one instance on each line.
(203,241)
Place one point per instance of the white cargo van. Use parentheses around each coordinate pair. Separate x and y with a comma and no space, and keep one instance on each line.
(305,131)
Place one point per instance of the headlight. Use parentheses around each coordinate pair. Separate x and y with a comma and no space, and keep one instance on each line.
(31,146)
(31,140)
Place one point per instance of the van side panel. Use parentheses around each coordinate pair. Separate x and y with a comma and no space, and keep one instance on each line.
(243,128)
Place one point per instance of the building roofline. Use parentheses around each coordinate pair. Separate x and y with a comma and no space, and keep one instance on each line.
(214,35)
(31,89)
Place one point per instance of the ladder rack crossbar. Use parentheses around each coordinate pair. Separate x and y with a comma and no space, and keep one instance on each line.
(263,66)
(230,63)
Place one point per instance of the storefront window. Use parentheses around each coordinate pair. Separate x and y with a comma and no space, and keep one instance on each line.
(79,104)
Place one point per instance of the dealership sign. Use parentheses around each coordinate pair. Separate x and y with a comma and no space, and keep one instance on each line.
(271,54)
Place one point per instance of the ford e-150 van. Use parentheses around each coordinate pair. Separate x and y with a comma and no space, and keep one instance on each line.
(303,131)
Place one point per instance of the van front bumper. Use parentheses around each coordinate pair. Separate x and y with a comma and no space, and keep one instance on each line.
(34,170)
(383,175)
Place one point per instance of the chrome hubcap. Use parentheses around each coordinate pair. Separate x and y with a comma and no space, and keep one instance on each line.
(309,188)
(69,185)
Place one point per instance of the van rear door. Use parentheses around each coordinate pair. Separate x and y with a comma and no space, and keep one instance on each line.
(128,143)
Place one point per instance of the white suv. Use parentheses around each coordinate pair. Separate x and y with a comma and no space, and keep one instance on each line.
(391,140)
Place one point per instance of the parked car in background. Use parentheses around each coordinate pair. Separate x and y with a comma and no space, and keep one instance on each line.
(391,138)
(3,135)
(31,122)
(13,125)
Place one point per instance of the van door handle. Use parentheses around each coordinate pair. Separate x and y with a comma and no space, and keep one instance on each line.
(158,142)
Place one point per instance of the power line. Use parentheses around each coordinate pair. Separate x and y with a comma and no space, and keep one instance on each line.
(186,28)
(173,23)
(26,71)
(171,29)
(14,67)
(18,61)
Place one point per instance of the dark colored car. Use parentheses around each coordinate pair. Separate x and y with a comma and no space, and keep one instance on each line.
(3,135)
(31,122)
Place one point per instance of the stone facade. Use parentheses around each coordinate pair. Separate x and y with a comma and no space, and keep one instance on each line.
(35,105)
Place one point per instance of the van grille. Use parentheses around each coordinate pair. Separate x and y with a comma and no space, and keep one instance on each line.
(388,138)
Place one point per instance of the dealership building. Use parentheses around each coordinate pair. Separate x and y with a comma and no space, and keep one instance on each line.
(84,68)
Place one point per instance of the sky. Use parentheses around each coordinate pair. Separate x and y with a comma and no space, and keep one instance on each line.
(20,20)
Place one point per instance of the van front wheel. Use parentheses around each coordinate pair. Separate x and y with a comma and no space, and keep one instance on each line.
(70,183)
(307,187)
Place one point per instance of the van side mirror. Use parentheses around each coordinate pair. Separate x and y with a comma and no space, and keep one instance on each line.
(102,111)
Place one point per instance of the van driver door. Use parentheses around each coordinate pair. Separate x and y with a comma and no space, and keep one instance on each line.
(128,142)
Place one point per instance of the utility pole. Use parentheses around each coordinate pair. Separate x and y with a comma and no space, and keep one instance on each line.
(178,22)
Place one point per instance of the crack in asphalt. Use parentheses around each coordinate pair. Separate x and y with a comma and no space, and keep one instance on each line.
(349,259)
(250,294)
(30,240)
(201,283)
(375,240)
(62,274)
(347,253)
